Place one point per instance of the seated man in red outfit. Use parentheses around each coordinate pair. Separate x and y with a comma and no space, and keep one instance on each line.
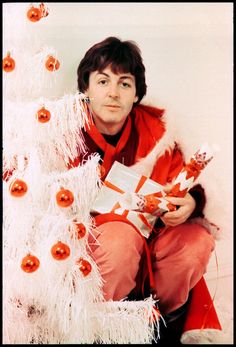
(112,76)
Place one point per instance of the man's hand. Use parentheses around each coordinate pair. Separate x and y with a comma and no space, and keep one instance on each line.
(186,207)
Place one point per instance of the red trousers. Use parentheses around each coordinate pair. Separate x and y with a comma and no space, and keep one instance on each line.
(179,259)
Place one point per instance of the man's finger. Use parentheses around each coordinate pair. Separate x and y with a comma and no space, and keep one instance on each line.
(175,201)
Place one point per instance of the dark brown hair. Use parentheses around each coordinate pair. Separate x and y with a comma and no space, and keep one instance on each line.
(122,57)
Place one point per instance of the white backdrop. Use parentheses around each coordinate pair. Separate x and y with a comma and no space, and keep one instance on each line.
(187,49)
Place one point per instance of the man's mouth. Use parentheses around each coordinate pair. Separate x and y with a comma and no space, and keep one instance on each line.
(112,106)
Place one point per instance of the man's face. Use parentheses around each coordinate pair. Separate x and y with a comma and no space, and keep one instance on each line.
(111,99)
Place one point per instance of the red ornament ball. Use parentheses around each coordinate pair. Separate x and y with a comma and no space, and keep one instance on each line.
(34,14)
(30,263)
(80,230)
(18,188)
(84,266)
(8,63)
(52,63)
(64,198)
(43,115)
(60,251)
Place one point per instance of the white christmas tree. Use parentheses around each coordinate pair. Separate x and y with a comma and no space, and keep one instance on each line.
(52,288)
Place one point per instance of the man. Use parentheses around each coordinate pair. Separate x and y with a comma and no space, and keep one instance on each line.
(112,76)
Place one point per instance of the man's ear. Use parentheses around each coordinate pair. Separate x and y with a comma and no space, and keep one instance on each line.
(86,98)
(86,93)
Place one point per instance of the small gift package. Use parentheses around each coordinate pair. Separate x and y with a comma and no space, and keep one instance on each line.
(153,203)
(191,171)
(120,185)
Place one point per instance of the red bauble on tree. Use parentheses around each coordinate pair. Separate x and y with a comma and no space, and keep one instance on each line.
(43,115)
(84,266)
(18,188)
(8,63)
(30,263)
(64,198)
(80,230)
(52,63)
(60,251)
(34,14)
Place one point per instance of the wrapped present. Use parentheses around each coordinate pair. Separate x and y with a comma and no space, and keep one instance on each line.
(191,171)
(156,203)
(142,200)
(116,193)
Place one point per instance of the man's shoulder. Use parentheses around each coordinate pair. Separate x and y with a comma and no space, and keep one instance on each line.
(146,116)
(148,111)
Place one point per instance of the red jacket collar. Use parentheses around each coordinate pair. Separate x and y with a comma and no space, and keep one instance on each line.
(150,127)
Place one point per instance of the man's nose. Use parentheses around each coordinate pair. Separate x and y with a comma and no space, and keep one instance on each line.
(113,91)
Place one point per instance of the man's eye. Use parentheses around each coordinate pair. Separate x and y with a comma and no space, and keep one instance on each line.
(102,82)
(126,85)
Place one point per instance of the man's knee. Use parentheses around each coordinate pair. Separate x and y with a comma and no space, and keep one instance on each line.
(200,238)
(185,242)
(197,245)
(119,243)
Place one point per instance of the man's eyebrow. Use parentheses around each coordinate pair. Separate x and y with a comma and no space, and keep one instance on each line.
(121,77)
(103,73)
(127,76)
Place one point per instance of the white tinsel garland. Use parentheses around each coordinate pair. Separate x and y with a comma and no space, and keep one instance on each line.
(55,143)
(21,39)
(38,206)
(56,303)
(133,322)
(15,84)
(57,291)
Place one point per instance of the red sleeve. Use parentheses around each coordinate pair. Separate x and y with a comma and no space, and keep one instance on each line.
(177,163)
(168,166)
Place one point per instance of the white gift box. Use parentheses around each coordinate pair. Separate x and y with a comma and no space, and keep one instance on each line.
(126,180)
